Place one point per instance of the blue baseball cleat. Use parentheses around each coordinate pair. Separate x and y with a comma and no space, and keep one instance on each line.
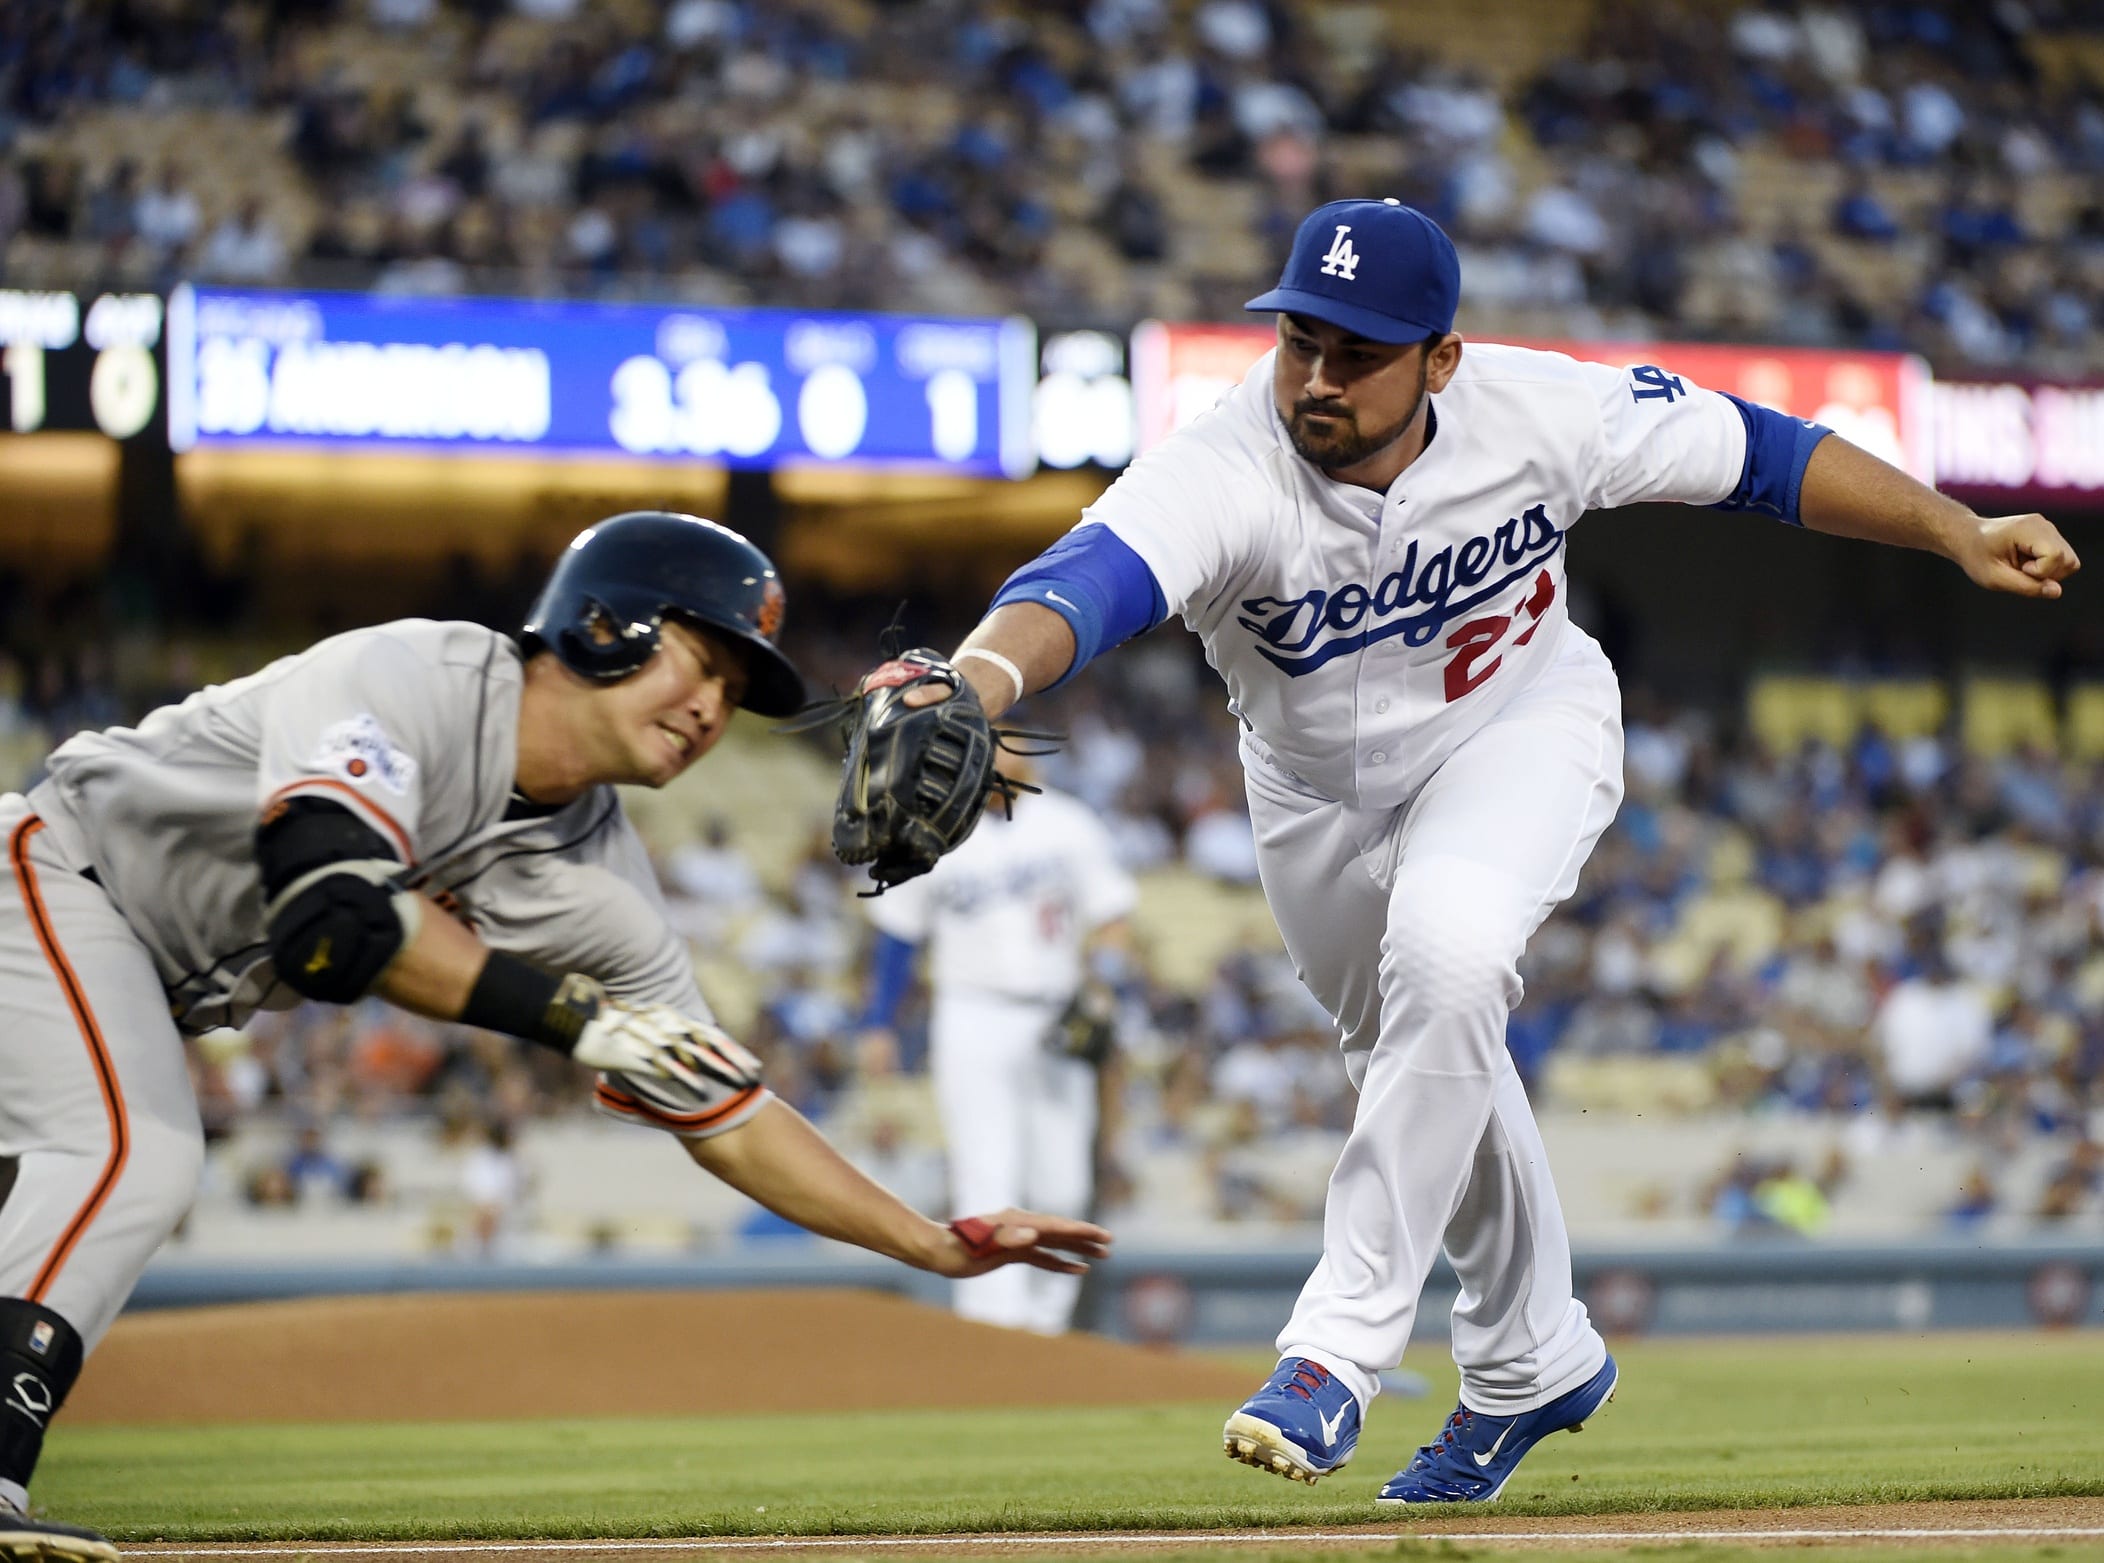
(1303,1424)
(1475,1454)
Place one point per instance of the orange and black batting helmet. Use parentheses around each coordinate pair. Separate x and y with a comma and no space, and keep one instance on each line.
(618,582)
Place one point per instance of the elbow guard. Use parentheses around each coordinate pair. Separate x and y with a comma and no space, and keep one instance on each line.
(335,915)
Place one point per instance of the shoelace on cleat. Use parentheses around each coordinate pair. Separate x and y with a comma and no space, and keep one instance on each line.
(1307,1378)
(1428,1454)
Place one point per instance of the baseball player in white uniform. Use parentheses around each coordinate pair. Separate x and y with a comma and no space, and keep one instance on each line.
(1368,535)
(1007,920)
(425,811)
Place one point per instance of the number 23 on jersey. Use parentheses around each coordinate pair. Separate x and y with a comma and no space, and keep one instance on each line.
(1473,642)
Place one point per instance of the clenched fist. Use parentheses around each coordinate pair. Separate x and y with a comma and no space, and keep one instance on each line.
(2021,554)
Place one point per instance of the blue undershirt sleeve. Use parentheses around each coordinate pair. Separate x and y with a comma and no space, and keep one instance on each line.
(891,973)
(1093,580)
(1778,447)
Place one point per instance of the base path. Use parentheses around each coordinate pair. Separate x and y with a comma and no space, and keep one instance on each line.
(492,1356)
(1909,1529)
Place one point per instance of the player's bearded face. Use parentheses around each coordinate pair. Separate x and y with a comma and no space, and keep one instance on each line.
(1342,398)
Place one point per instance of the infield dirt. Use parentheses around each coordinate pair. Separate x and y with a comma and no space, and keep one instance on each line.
(479,1357)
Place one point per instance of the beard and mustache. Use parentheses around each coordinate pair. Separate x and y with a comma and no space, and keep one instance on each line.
(1340,442)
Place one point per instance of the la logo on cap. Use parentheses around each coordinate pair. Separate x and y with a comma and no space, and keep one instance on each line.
(1342,260)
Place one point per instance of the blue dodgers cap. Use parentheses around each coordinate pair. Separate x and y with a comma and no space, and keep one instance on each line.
(1378,268)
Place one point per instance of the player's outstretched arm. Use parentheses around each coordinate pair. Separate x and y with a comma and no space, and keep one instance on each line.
(778,1159)
(1035,642)
(1850,493)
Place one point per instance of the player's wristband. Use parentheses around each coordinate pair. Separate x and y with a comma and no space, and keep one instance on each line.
(1015,674)
(519,999)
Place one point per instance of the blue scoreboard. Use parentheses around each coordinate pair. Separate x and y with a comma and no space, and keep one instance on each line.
(747,388)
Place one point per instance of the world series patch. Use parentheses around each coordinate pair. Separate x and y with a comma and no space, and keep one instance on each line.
(359,750)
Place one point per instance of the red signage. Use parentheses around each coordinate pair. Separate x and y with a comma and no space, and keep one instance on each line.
(1880,401)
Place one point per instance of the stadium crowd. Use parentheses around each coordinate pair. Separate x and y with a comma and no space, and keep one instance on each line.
(1880,173)
(1894,932)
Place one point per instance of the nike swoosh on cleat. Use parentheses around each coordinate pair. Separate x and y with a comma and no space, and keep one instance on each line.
(1330,1425)
(1485,1459)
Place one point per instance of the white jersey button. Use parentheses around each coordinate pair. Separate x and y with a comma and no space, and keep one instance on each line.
(1380,705)
(1379,757)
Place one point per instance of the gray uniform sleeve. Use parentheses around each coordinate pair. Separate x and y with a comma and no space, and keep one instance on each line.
(593,906)
(355,723)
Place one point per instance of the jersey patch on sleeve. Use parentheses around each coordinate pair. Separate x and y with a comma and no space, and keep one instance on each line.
(359,750)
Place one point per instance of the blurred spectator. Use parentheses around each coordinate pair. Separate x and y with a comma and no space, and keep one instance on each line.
(112,206)
(166,214)
(270,1187)
(314,1172)
(244,248)
(1932,1030)
(494,1186)
(1976,1201)
(1859,214)
(2075,1186)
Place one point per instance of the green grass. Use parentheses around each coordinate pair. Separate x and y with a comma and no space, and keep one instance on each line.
(1695,1425)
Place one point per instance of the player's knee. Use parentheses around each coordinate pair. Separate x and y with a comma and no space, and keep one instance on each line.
(162,1168)
(1450,946)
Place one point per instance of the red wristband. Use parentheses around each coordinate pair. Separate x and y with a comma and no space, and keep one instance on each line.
(978,1236)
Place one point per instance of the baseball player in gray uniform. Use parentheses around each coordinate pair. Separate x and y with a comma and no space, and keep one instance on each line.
(1368,535)
(420,810)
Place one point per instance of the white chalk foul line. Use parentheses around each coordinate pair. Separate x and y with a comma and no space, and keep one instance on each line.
(401,1549)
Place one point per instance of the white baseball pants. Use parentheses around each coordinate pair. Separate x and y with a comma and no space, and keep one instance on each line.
(96,1106)
(1020,1124)
(1408,924)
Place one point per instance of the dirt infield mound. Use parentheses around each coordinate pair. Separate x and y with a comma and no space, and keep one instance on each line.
(442,1357)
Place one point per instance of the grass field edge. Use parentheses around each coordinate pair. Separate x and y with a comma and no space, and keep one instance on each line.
(1196,1521)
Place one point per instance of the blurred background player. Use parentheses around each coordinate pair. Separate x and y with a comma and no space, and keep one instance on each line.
(1017,1033)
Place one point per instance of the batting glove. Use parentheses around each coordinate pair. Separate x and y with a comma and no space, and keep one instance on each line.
(656,1039)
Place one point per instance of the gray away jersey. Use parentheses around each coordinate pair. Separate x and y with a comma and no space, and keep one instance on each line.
(413,726)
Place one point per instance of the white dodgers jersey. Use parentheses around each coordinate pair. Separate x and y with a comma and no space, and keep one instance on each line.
(1363,636)
(1009,911)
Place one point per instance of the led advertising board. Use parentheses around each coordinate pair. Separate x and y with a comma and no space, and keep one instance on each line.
(2017,445)
(747,388)
(1880,401)
(81,362)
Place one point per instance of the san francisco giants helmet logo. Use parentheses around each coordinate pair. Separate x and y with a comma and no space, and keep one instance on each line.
(767,618)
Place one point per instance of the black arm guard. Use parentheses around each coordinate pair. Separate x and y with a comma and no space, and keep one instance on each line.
(335,915)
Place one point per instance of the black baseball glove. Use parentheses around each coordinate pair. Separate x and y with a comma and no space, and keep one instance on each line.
(1087,1029)
(917,777)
